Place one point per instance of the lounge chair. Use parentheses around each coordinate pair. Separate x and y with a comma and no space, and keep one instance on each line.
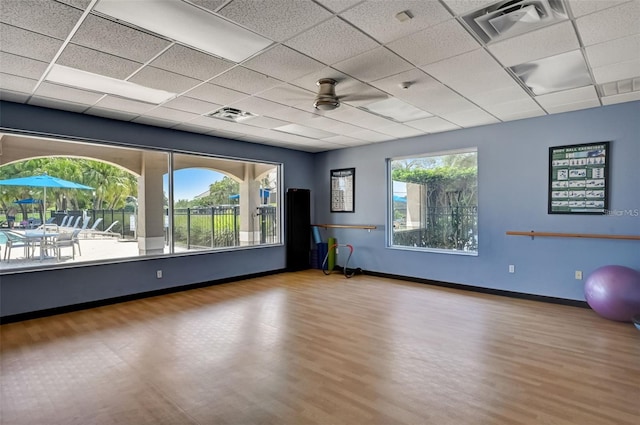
(106,232)
(66,218)
(75,224)
(87,232)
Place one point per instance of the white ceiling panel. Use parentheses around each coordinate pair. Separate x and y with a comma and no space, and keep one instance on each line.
(460,7)
(332,32)
(609,24)
(90,60)
(45,17)
(28,44)
(215,94)
(164,80)
(188,104)
(192,63)
(431,62)
(338,6)
(547,41)
(433,125)
(16,83)
(435,43)
(585,7)
(614,51)
(119,40)
(69,94)
(125,105)
(278,21)
(245,80)
(21,66)
(620,98)
(373,65)
(378,17)
(470,117)
(283,63)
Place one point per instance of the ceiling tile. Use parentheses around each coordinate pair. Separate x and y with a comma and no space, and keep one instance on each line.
(28,44)
(433,125)
(331,125)
(90,60)
(192,63)
(216,94)
(573,106)
(266,122)
(399,130)
(585,7)
(581,94)
(619,98)
(283,63)
(245,80)
(435,43)
(377,18)
(80,4)
(547,41)
(332,33)
(44,17)
(371,136)
(614,51)
(111,114)
(310,81)
(125,105)
(11,96)
(188,104)
(156,122)
(259,106)
(470,117)
(497,96)
(170,114)
(373,65)
(289,95)
(515,110)
(16,83)
(46,102)
(615,22)
(24,67)
(618,71)
(116,39)
(70,94)
(338,6)
(464,6)
(163,80)
(354,116)
(211,5)
(292,114)
(344,140)
(275,19)
(215,123)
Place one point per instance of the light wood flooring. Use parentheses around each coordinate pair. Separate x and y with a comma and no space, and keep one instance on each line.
(304,348)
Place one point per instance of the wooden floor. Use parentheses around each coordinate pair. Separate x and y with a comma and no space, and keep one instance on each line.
(304,348)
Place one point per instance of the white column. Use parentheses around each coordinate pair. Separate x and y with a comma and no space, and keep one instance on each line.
(150,224)
(249,202)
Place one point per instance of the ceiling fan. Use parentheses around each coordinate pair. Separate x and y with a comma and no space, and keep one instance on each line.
(327,100)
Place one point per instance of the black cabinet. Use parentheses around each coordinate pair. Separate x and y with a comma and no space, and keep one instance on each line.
(298,230)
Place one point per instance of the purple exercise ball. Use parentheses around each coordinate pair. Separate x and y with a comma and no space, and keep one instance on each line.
(614,292)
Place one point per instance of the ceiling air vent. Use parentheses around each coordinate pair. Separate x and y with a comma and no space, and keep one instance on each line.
(232,114)
(514,17)
(620,87)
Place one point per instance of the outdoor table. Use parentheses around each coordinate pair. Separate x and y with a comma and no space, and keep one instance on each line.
(43,238)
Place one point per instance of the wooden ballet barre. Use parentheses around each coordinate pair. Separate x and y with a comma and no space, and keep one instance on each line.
(345,226)
(573,235)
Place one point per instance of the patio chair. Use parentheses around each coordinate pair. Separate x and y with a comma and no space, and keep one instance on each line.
(87,232)
(106,232)
(15,240)
(76,223)
(67,240)
(66,218)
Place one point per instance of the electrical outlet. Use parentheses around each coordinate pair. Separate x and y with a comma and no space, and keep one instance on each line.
(159,274)
(512,268)
(578,274)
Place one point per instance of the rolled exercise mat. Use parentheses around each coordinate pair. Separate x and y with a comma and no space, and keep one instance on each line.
(316,235)
(322,253)
(331,261)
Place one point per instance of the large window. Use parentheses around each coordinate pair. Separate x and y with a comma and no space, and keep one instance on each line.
(434,202)
(65,202)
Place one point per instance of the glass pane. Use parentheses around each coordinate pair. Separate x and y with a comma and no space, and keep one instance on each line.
(222,203)
(434,202)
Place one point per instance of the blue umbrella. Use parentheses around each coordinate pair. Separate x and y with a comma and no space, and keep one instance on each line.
(44,181)
(27,201)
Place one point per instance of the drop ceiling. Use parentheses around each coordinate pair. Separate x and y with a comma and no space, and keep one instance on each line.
(432,65)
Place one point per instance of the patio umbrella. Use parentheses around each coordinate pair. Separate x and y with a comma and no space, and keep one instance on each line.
(27,201)
(44,181)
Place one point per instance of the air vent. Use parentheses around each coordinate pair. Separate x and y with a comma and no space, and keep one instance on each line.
(232,114)
(514,17)
(620,87)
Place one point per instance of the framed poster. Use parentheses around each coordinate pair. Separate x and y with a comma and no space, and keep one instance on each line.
(343,185)
(579,178)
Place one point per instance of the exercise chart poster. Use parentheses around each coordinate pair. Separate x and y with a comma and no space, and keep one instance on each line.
(579,178)
(343,190)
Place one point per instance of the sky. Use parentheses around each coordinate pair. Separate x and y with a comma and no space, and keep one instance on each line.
(190,182)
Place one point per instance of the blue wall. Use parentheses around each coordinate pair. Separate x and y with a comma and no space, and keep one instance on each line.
(513,182)
(33,291)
